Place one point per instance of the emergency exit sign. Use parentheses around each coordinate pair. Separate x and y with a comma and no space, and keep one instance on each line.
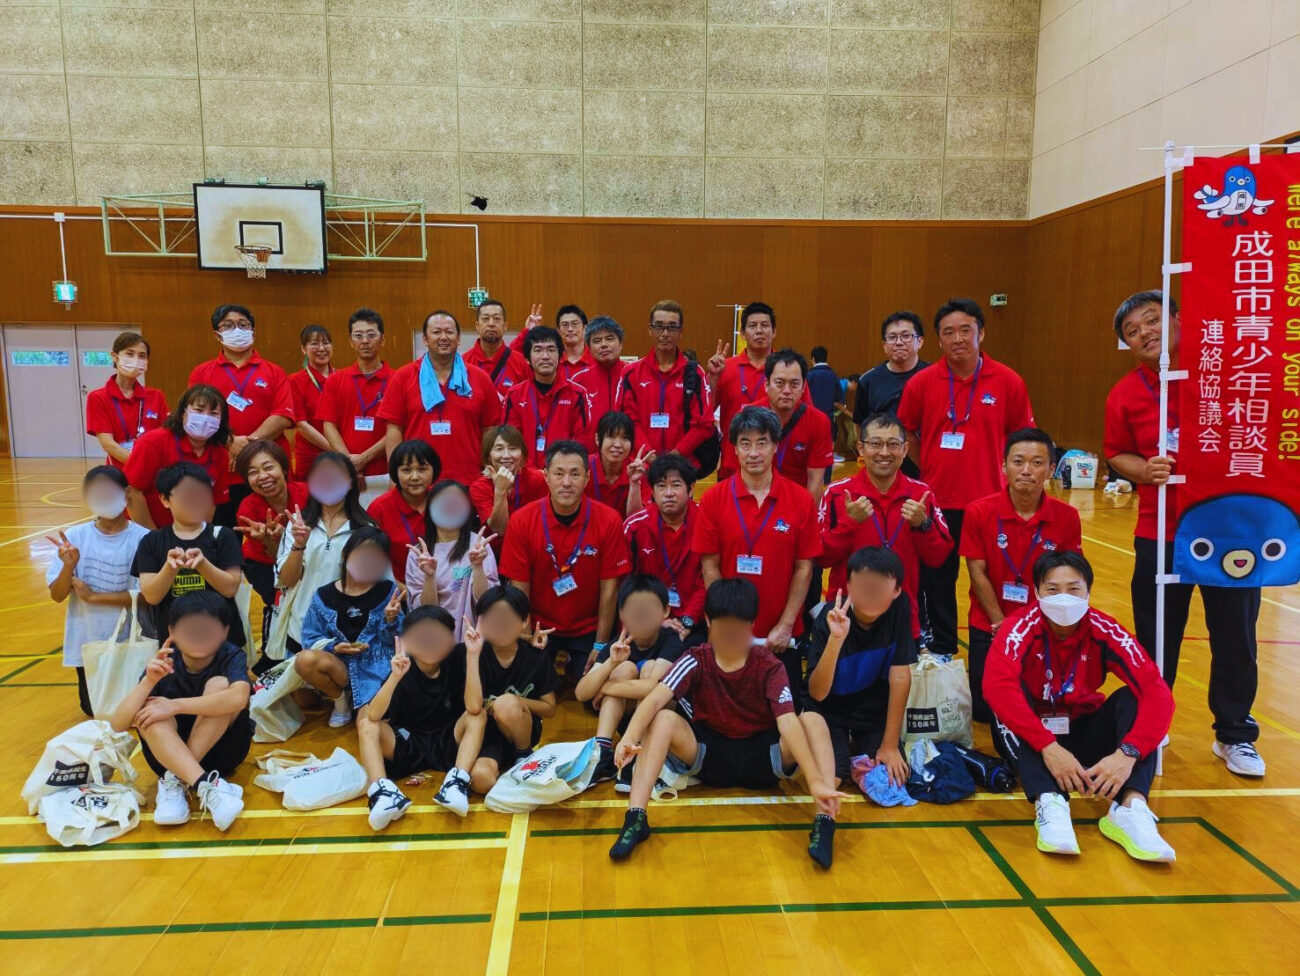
(65,292)
(477,296)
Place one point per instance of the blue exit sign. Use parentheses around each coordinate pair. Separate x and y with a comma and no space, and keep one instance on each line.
(477,296)
(65,292)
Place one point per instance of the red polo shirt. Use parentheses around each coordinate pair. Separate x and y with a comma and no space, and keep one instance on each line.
(782,531)
(402,524)
(108,411)
(656,402)
(1010,546)
(842,536)
(506,369)
(808,445)
(613,494)
(255,507)
(158,449)
(668,554)
(988,405)
(591,549)
(602,383)
(1133,427)
(739,384)
(350,401)
(468,416)
(543,418)
(305,387)
(260,385)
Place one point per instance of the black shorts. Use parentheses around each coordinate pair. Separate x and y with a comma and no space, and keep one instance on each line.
(226,753)
(848,743)
(578,646)
(753,762)
(414,752)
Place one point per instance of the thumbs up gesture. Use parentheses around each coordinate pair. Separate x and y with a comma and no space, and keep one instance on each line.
(859,509)
(916,512)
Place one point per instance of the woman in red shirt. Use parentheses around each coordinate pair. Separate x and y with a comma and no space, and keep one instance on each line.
(197,430)
(124,408)
(305,385)
(614,471)
(507,483)
(413,467)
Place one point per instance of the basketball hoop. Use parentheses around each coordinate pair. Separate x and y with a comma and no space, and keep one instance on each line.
(255,258)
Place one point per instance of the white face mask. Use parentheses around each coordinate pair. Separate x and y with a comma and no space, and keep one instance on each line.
(1063,609)
(237,339)
(106,504)
(132,366)
(201,425)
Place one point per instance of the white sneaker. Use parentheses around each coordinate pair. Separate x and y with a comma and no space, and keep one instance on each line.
(342,713)
(1134,828)
(387,803)
(1055,831)
(171,805)
(454,793)
(224,801)
(1241,757)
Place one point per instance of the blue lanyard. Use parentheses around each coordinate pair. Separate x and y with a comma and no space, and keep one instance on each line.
(669,568)
(744,385)
(577,548)
(882,524)
(537,413)
(139,421)
(411,534)
(234,380)
(1029,554)
(1142,374)
(1067,686)
(952,396)
(751,540)
(358,381)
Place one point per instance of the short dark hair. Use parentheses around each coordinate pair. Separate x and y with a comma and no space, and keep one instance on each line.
(508,593)
(1032,435)
(1136,301)
(125,340)
(420,614)
(113,474)
(541,333)
(642,583)
(786,357)
(819,354)
(424,329)
(903,315)
(366,315)
(208,396)
(564,310)
(172,475)
(750,419)
(757,308)
(877,559)
(665,464)
(362,536)
(255,447)
(221,311)
(967,305)
(735,598)
(413,450)
(309,332)
(603,323)
(615,422)
(492,301)
(882,418)
(1062,557)
(206,603)
(566,447)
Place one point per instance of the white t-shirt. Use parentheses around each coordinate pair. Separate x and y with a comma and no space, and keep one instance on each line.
(104,566)
(455,582)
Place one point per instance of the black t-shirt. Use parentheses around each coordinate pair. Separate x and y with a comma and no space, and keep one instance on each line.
(667,646)
(354,611)
(222,549)
(530,675)
(424,704)
(859,695)
(229,662)
(880,390)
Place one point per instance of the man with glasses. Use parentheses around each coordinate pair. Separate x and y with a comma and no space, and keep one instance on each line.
(881,506)
(503,364)
(958,413)
(880,389)
(665,394)
(350,399)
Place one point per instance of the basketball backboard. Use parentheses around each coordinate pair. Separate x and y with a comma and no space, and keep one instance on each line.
(288,219)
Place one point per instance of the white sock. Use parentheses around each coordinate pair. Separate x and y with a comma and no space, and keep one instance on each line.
(456,773)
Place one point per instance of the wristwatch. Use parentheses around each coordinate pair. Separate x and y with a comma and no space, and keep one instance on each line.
(688,622)
(925,526)
(1130,750)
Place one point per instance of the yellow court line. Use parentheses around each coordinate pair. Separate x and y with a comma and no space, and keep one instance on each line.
(26,606)
(111,853)
(51,528)
(503,922)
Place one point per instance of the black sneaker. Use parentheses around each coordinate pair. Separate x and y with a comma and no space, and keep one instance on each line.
(820,840)
(623,780)
(636,828)
(605,769)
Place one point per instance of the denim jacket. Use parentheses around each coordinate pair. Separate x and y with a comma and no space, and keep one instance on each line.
(367,670)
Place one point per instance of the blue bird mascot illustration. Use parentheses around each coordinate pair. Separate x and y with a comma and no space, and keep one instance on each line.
(1237,199)
(1238,540)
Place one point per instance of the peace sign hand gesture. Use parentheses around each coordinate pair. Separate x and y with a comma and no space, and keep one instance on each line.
(160,665)
(534,317)
(837,618)
(394,607)
(251,528)
(621,649)
(471,636)
(541,637)
(636,468)
(478,548)
(718,360)
(859,509)
(425,559)
(400,663)
(69,554)
(299,529)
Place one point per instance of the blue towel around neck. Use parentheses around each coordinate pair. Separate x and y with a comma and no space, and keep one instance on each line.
(431,394)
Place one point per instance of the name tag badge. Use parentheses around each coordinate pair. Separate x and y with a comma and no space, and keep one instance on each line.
(1172,440)
(363,423)
(674,599)
(238,402)
(749,565)
(952,441)
(1015,592)
(127,445)
(1057,724)
(440,428)
(541,444)
(565,584)
(659,421)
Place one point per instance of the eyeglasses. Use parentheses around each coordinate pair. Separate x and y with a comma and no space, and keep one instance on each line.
(661,327)
(365,336)
(901,338)
(237,324)
(893,444)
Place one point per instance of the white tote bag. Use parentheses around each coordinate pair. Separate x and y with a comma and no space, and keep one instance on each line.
(551,774)
(939,704)
(88,754)
(308,783)
(113,667)
(90,815)
(276,716)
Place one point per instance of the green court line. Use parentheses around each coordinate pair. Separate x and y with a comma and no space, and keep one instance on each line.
(1250,858)
(764,827)
(18,671)
(47,653)
(41,684)
(297,841)
(1064,941)
(278,925)
(1107,901)
(578,914)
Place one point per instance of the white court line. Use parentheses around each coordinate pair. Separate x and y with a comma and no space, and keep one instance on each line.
(110,853)
(52,528)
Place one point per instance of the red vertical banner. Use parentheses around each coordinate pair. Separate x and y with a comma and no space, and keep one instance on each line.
(1238,445)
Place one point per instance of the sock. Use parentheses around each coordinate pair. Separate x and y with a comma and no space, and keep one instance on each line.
(635,813)
(821,838)
(457,773)
(604,743)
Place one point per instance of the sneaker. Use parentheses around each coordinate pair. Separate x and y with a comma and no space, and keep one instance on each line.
(636,828)
(1055,832)
(342,713)
(820,840)
(387,803)
(224,801)
(1241,757)
(171,805)
(1134,828)
(454,794)
(623,778)
(605,768)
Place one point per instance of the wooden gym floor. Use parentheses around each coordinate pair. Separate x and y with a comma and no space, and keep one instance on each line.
(723,886)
